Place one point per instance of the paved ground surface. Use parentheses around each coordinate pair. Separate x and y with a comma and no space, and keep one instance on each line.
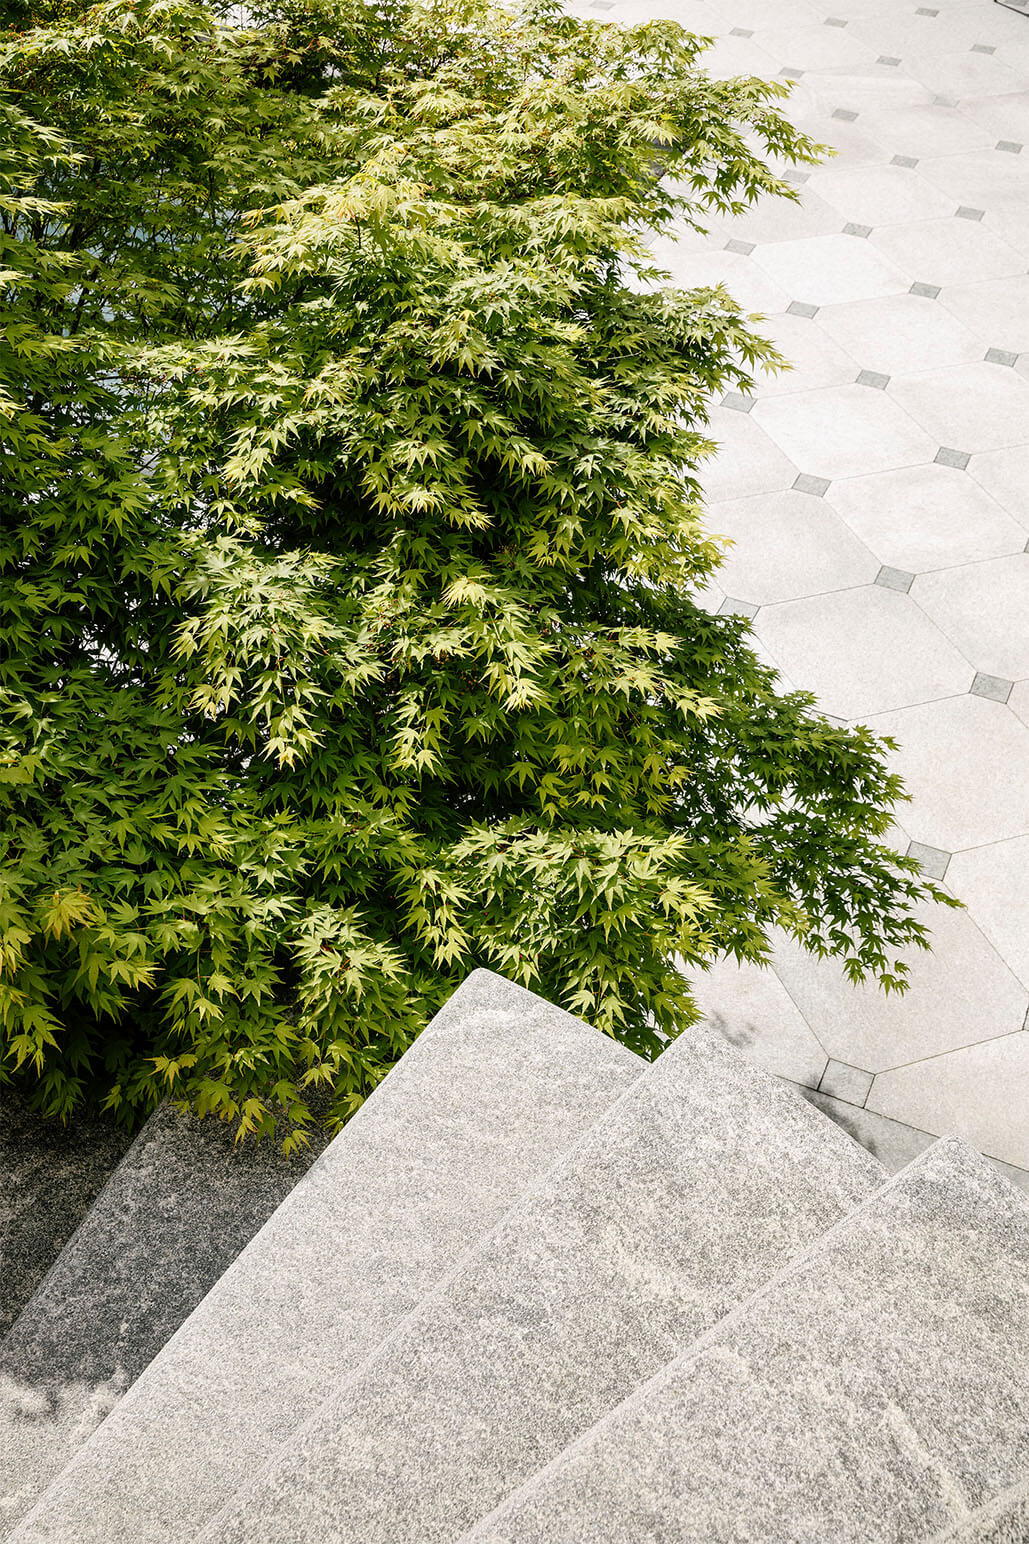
(878,497)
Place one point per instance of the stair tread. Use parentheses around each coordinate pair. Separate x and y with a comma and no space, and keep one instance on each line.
(493,1090)
(174,1213)
(874,1392)
(703,1180)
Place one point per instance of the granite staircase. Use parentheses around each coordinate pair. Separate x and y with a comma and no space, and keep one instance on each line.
(536,1292)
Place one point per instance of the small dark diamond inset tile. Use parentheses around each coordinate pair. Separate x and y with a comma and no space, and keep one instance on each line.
(745,248)
(857,230)
(799,178)
(805,483)
(790,72)
(737,608)
(904,160)
(927,291)
(1010,145)
(991,686)
(964,213)
(738,402)
(842,1081)
(873,378)
(741,32)
(945,101)
(834,21)
(801,308)
(844,114)
(983,48)
(958,459)
(887,59)
(894,579)
(924,10)
(1000,356)
(931,860)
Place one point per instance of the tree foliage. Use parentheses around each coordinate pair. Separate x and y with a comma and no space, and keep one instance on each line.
(351,544)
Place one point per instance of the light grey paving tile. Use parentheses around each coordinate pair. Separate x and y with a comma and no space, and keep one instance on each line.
(843,431)
(1005,475)
(975,407)
(911,33)
(963,761)
(826,270)
(788,545)
(993,882)
(816,359)
(943,1008)
(779,219)
(737,55)
(747,460)
(420,1172)
(850,1084)
(818,48)
(823,644)
(977,177)
(980,1093)
(898,334)
(948,251)
(748,284)
(995,311)
(873,92)
(892,1142)
(864,1394)
(854,141)
(999,117)
(881,195)
(1018,702)
(964,74)
(653,1227)
(924,517)
(984,610)
(936,130)
(749,1006)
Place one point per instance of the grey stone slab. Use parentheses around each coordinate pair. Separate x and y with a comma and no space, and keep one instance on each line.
(1005,1520)
(701,1182)
(874,1392)
(492,1092)
(50,1174)
(182,1203)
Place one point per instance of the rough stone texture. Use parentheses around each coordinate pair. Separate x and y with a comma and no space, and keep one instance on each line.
(49,1177)
(1002,1521)
(875,1392)
(698,1185)
(176,1211)
(491,1094)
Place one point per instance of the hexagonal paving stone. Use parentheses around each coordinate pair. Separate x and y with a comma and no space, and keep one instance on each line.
(943,130)
(963,74)
(947,251)
(844,431)
(984,611)
(980,177)
(825,270)
(817,48)
(747,460)
(993,882)
(943,1008)
(971,407)
(1005,476)
(788,544)
(980,1093)
(881,195)
(919,518)
(995,311)
(752,1009)
(826,645)
(900,333)
(964,762)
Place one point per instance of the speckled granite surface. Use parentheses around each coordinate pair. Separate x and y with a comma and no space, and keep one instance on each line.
(49,1177)
(490,1095)
(699,1184)
(874,1394)
(1004,1520)
(178,1208)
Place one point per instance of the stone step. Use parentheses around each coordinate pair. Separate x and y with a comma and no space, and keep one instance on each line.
(50,1175)
(1004,1520)
(873,1393)
(176,1211)
(705,1178)
(493,1091)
